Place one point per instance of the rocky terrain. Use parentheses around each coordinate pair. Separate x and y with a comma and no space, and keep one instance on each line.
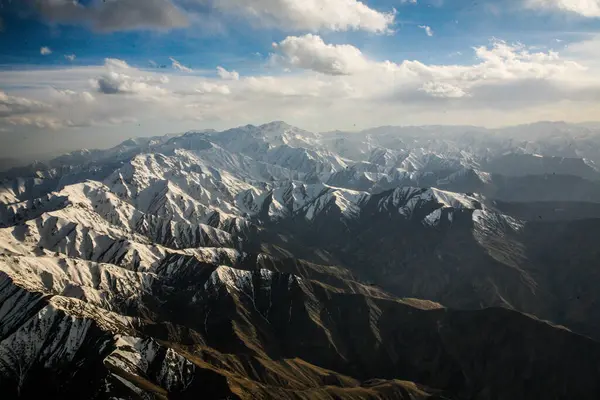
(271,262)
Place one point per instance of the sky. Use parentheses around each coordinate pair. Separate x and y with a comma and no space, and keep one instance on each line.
(91,73)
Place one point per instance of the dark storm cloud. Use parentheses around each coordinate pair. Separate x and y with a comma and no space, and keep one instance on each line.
(113,15)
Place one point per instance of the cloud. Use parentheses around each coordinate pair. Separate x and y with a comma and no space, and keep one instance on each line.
(208,87)
(69,97)
(60,99)
(427,29)
(311,52)
(111,15)
(178,66)
(70,57)
(408,1)
(45,51)
(309,15)
(507,83)
(38,122)
(443,90)
(228,75)
(500,64)
(586,49)
(13,105)
(115,63)
(117,80)
(21,111)
(586,8)
(117,83)
(112,83)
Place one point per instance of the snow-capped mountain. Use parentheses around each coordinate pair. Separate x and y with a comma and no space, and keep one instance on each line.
(272,262)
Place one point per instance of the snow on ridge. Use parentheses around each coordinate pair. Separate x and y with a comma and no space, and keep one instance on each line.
(236,279)
(347,201)
(47,336)
(403,199)
(433,218)
(453,199)
(407,199)
(136,355)
(107,320)
(55,334)
(214,255)
(96,283)
(486,220)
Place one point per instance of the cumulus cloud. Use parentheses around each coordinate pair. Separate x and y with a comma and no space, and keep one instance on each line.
(442,90)
(427,30)
(19,111)
(209,87)
(508,83)
(110,16)
(41,122)
(311,52)
(117,80)
(178,66)
(45,51)
(228,75)
(586,8)
(310,15)
(112,83)
(115,63)
(117,83)
(70,57)
(13,105)
(500,64)
(68,97)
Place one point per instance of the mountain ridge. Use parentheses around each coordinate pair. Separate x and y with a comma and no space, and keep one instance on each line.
(272,262)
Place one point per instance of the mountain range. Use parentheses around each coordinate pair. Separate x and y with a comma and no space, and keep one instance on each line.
(268,262)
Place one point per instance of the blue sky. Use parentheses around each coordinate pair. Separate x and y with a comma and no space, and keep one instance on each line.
(457,25)
(381,61)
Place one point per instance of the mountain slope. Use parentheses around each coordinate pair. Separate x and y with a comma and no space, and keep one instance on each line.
(272,262)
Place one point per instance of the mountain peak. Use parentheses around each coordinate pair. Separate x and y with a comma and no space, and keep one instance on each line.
(276,125)
(168,266)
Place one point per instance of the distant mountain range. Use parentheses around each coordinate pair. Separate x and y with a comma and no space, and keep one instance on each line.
(272,262)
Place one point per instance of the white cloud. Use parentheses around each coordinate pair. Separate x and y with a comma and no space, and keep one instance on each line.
(115,63)
(109,16)
(311,52)
(116,83)
(69,97)
(41,122)
(442,90)
(408,1)
(508,83)
(116,80)
(70,57)
(178,66)
(228,75)
(310,15)
(427,29)
(14,105)
(113,83)
(209,87)
(45,51)
(586,8)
